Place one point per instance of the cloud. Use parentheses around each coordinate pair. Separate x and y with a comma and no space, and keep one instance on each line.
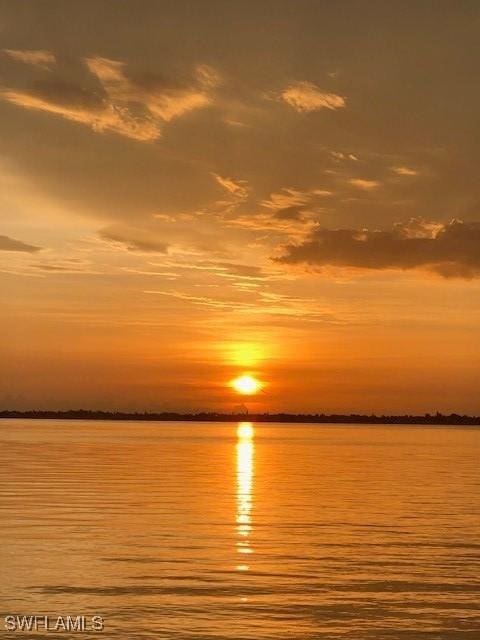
(340,155)
(229,270)
(36,57)
(135,107)
(292,204)
(208,76)
(305,97)
(451,250)
(247,271)
(163,100)
(10,244)
(237,193)
(238,188)
(204,301)
(286,198)
(404,171)
(100,117)
(288,211)
(134,239)
(67,266)
(364,185)
(257,303)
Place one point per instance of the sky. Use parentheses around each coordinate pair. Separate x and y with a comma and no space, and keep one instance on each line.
(192,191)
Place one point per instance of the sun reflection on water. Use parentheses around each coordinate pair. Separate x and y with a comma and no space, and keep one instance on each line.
(245,450)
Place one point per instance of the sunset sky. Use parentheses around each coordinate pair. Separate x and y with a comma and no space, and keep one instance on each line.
(192,191)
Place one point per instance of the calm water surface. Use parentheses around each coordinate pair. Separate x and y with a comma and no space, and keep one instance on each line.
(226,531)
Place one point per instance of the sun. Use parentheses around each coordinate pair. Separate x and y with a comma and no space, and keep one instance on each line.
(246,385)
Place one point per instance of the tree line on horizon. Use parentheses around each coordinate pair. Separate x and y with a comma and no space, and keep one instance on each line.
(353,418)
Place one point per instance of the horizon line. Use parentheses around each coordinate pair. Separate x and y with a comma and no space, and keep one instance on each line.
(215,416)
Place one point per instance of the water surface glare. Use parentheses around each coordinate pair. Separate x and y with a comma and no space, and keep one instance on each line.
(242,531)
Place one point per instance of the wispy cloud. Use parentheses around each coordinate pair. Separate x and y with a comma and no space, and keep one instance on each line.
(306,96)
(287,197)
(163,100)
(258,303)
(208,76)
(64,267)
(338,156)
(292,204)
(450,250)
(134,107)
(10,244)
(100,117)
(404,171)
(364,185)
(204,301)
(288,211)
(134,239)
(39,58)
(230,270)
(241,272)
(238,188)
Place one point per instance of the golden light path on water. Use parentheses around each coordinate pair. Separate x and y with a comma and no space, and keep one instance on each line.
(187,530)
(245,467)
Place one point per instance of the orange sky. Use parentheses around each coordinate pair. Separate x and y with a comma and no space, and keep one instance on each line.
(192,192)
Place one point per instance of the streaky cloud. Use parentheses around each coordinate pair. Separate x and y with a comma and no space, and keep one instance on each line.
(10,244)
(40,58)
(100,118)
(134,239)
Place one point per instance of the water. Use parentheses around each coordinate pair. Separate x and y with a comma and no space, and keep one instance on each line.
(220,531)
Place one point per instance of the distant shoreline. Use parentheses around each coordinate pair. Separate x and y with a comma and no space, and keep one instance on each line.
(82,414)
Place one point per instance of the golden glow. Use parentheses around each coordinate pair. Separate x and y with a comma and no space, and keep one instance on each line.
(245,434)
(246,385)
(246,354)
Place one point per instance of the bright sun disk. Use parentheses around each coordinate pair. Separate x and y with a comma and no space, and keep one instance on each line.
(246,384)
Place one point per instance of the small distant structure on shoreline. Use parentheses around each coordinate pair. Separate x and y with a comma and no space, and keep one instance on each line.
(310,418)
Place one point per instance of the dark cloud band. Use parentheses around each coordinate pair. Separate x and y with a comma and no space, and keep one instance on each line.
(10,244)
(451,250)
